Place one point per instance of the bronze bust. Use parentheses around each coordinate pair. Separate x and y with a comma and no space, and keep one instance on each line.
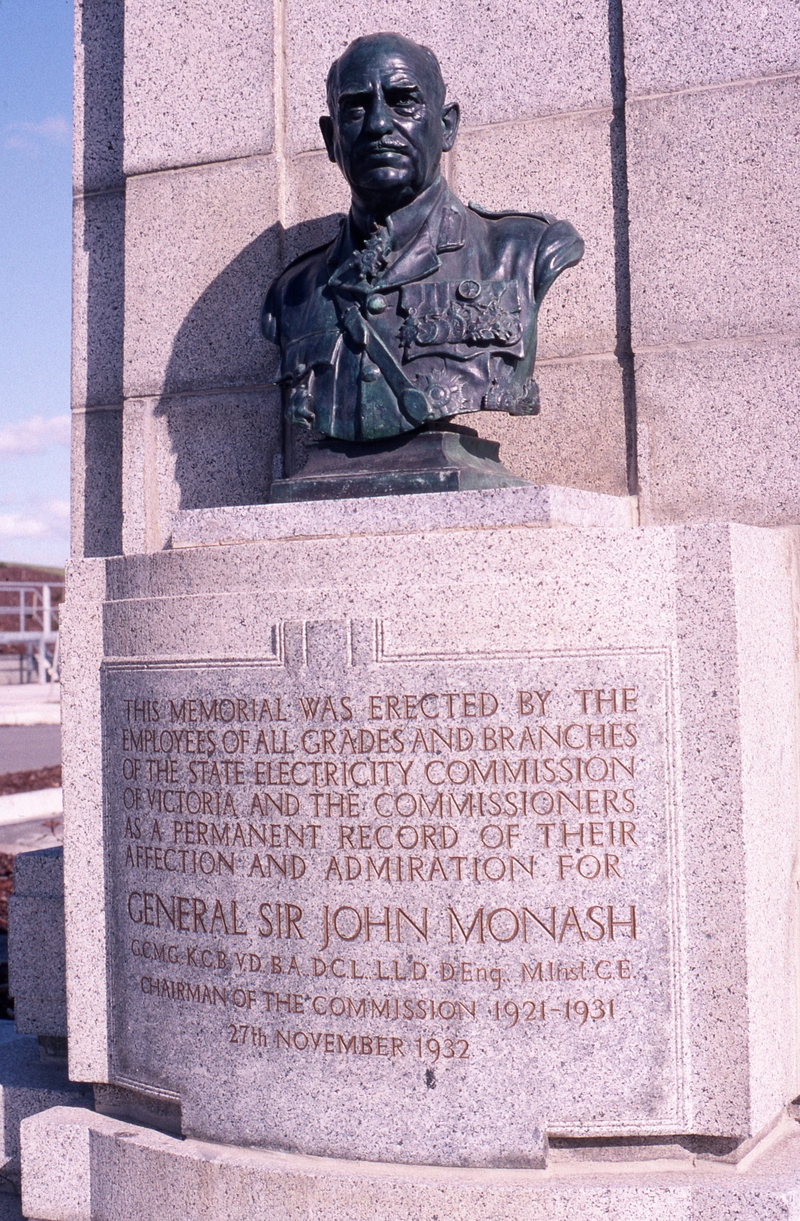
(422,308)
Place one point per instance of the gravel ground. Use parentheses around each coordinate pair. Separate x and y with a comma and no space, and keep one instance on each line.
(30,781)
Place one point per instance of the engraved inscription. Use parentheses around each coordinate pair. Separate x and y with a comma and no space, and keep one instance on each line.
(468,864)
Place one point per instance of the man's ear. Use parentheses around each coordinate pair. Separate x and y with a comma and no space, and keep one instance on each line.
(451,116)
(326,127)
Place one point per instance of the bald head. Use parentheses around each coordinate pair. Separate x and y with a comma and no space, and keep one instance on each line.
(363,51)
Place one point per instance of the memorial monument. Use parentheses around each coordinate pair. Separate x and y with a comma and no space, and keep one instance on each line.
(425,855)
(421,309)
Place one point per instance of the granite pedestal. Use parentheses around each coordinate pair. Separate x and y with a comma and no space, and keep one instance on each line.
(667,364)
(432,832)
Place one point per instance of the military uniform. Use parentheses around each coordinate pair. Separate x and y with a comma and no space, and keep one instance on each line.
(428,317)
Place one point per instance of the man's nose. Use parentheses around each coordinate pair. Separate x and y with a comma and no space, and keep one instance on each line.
(378,121)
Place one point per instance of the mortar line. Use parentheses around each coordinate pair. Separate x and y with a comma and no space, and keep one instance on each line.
(720,341)
(745,82)
(545,117)
(279,110)
(622,265)
(97,192)
(269,155)
(88,408)
(152,507)
(243,388)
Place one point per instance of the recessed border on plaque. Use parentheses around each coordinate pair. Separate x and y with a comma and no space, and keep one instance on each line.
(366,648)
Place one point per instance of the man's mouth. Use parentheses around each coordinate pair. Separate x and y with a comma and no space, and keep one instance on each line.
(384,147)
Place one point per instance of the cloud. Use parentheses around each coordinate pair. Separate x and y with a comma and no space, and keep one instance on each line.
(56,128)
(31,138)
(51,520)
(34,513)
(36,532)
(34,436)
(57,514)
(17,525)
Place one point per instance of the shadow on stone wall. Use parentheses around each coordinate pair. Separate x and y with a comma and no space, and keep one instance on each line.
(622,268)
(104,246)
(221,415)
(222,412)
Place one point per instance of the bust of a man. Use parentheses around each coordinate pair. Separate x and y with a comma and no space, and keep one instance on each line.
(422,308)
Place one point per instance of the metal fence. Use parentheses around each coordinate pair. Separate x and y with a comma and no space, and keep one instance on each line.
(29,617)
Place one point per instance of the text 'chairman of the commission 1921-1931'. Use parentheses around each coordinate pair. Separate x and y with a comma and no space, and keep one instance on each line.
(422,308)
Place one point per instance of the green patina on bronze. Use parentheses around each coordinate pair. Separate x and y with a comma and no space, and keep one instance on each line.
(422,308)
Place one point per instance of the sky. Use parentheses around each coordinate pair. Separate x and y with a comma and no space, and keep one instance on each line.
(35,235)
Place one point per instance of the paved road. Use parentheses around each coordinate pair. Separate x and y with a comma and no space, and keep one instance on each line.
(25,747)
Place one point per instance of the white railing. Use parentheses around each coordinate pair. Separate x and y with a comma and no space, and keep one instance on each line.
(29,613)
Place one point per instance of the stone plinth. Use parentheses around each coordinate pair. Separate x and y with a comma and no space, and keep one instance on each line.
(37,972)
(85,1167)
(30,1082)
(479,510)
(420,844)
(33,1071)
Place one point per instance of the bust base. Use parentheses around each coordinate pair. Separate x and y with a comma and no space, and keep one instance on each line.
(443,457)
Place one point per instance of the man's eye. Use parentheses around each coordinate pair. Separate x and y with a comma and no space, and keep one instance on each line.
(352,106)
(403,98)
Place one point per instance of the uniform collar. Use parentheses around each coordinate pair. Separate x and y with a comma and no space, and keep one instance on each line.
(433,222)
(405,223)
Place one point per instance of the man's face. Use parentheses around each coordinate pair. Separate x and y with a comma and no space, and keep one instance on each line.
(389,128)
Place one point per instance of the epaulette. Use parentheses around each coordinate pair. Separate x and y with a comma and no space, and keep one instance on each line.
(543,216)
(308,254)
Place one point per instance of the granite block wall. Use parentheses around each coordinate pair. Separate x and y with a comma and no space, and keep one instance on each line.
(37,973)
(668,359)
(713,177)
